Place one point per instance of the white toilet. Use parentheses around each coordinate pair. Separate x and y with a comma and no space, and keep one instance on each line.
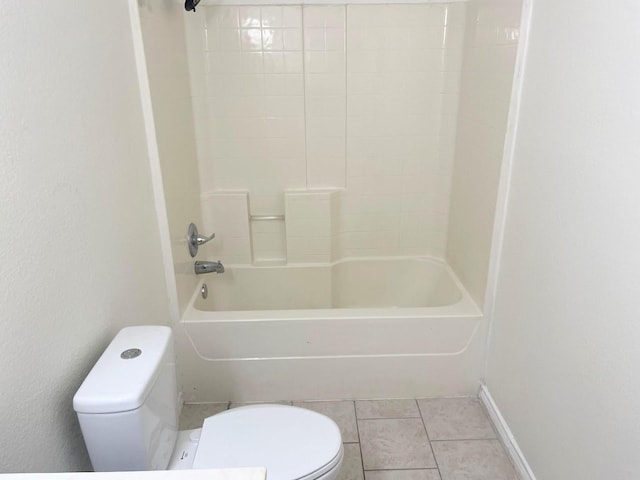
(128,412)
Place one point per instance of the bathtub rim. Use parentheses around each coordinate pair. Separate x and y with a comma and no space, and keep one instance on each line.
(464,307)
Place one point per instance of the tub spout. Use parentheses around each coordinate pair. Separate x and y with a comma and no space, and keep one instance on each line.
(208,267)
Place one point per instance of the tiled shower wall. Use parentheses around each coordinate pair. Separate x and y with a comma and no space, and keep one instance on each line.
(359,100)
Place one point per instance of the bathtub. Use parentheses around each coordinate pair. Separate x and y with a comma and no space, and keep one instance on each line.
(388,327)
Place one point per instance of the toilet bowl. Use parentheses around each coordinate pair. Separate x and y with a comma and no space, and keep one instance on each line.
(128,412)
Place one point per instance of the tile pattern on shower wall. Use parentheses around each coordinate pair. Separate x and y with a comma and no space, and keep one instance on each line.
(252,105)
(325,90)
(227,215)
(359,96)
(309,229)
(402,62)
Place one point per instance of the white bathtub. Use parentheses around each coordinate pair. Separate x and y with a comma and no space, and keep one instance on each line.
(269,333)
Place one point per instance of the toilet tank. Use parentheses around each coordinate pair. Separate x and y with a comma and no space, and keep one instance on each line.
(128,404)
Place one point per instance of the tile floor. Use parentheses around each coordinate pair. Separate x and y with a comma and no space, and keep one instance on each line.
(424,439)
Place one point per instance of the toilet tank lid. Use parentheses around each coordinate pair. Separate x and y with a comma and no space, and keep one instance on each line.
(124,375)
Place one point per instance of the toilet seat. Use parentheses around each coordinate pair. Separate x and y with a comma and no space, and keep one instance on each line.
(292,443)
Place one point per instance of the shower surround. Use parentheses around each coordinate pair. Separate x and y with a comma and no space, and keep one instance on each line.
(338,124)
(358,102)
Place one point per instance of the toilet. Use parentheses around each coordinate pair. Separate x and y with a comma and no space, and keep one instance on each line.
(128,409)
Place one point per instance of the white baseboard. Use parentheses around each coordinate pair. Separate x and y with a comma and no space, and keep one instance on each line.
(508,440)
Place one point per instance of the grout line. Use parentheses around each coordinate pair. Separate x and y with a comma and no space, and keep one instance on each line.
(355,409)
(389,418)
(305,98)
(355,417)
(355,414)
(466,440)
(403,469)
(424,425)
(346,96)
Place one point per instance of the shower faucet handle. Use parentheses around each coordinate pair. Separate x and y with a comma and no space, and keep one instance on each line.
(201,240)
(194,239)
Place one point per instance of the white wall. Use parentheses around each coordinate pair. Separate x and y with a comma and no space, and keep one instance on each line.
(79,254)
(491,40)
(171,130)
(564,356)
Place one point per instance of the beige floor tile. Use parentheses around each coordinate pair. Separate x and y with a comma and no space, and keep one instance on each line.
(193,415)
(352,463)
(431,474)
(246,404)
(386,409)
(455,419)
(473,460)
(393,444)
(342,412)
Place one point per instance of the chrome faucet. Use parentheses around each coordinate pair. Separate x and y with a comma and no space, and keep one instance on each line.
(208,267)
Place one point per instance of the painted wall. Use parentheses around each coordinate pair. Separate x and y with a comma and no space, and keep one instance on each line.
(564,348)
(358,98)
(78,245)
(170,128)
(491,40)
